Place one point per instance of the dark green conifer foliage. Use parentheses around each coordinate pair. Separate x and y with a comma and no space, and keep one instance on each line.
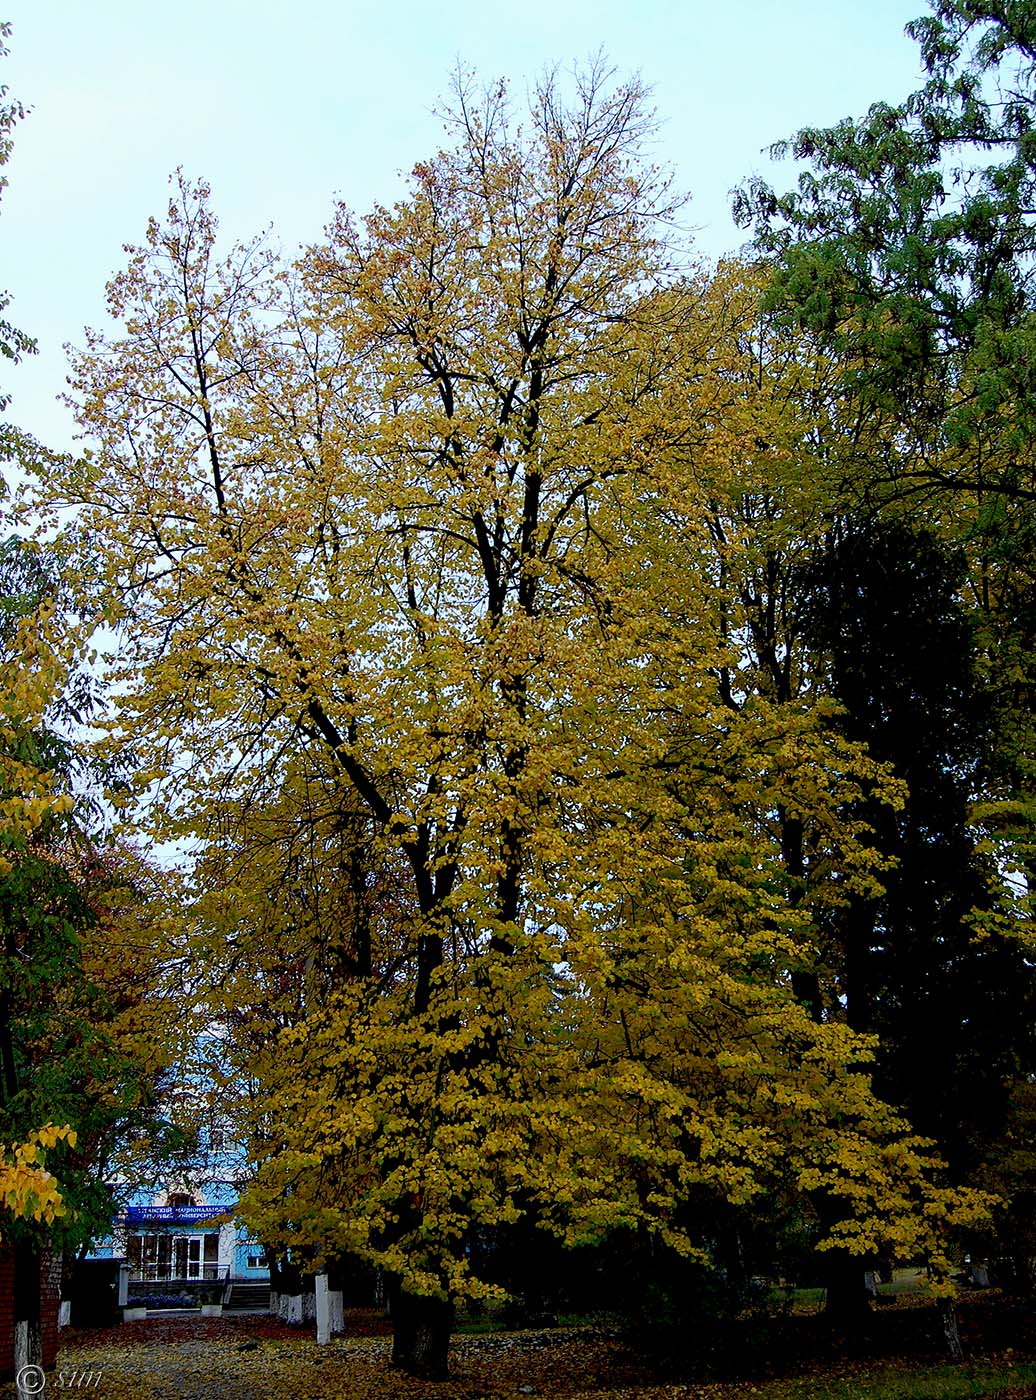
(908,250)
(952,1003)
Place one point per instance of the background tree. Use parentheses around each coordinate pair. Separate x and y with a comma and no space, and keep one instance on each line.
(905,253)
(14,343)
(907,250)
(85,970)
(86,948)
(949,1000)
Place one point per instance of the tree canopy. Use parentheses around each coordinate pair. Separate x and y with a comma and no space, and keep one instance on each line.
(431,556)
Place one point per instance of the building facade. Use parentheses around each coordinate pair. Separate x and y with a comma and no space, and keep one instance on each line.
(183,1236)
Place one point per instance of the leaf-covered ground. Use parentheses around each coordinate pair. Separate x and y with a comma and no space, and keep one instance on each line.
(257,1358)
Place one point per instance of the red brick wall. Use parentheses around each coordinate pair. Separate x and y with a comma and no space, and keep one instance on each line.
(50,1300)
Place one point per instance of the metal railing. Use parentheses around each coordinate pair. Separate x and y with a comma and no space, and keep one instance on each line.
(167,1272)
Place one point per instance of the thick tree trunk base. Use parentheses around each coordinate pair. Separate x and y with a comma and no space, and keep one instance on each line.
(28,1330)
(421,1329)
(847,1307)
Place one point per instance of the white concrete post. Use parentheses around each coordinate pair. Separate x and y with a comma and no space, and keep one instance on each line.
(336,1311)
(323,1311)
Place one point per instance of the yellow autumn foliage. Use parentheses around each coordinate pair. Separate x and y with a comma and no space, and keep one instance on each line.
(429,637)
(27,1190)
(32,670)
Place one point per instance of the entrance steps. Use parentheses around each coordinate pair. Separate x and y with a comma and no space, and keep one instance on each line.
(246,1297)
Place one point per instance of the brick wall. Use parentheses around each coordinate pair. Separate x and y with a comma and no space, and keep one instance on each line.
(50,1304)
(50,1299)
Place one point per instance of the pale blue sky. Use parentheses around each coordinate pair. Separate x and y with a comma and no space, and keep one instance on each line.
(284,107)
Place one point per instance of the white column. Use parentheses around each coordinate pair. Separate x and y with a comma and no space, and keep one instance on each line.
(323,1311)
(226,1253)
(336,1309)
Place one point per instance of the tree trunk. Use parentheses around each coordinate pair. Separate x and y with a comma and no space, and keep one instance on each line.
(28,1327)
(951,1331)
(848,1304)
(421,1329)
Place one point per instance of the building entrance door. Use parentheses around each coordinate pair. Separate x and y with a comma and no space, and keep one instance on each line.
(211,1259)
(187,1256)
